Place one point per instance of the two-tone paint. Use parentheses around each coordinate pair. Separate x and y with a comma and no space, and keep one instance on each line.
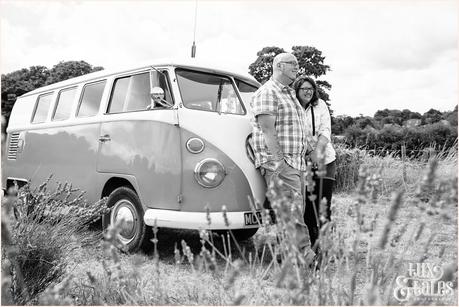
(145,150)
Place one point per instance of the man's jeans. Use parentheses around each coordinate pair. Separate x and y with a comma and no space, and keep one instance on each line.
(292,187)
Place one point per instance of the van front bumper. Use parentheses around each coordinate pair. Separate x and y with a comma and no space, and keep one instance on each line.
(200,220)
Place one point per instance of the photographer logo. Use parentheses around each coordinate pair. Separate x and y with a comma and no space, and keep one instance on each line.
(423,281)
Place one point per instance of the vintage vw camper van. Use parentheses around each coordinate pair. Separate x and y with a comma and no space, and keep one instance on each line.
(166,143)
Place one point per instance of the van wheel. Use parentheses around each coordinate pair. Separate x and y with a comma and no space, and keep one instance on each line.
(239,234)
(125,204)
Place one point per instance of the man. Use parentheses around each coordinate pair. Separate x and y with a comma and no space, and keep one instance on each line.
(279,139)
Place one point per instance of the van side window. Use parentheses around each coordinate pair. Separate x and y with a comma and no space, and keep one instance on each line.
(42,108)
(130,94)
(64,103)
(161,79)
(208,92)
(90,100)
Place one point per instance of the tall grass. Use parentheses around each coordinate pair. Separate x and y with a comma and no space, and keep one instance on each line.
(385,223)
(40,230)
(392,171)
(348,162)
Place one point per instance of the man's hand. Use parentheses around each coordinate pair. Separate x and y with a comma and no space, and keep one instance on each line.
(274,166)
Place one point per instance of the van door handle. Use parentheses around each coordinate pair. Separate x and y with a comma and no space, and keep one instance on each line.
(104,138)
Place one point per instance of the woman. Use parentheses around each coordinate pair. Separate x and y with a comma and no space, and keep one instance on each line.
(318,136)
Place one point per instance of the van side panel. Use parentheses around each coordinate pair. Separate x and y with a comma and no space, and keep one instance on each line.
(147,149)
(68,153)
(224,133)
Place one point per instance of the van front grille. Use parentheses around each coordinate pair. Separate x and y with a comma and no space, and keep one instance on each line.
(13,146)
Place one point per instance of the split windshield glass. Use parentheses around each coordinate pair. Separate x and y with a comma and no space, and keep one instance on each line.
(208,92)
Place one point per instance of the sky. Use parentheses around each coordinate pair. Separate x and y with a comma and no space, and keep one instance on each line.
(382,54)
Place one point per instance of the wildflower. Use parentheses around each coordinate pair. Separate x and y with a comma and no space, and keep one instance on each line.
(234,273)
(178,258)
(396,204)
(418,233)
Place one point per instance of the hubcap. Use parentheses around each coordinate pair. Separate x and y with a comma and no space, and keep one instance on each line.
(124,210)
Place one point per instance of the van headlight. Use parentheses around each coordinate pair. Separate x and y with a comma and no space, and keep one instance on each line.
(209,173)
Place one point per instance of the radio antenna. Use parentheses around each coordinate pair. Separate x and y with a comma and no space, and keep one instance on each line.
(193,47)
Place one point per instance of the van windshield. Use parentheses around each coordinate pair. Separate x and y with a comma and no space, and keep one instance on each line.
(246,90)
(208,92)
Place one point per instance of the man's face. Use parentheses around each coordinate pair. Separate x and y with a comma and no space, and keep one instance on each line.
(289,67)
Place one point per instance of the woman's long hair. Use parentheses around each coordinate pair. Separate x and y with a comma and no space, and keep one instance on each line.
(299,82)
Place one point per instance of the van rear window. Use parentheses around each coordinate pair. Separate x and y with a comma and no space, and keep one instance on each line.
(64,104)
(42,108)
(90,100)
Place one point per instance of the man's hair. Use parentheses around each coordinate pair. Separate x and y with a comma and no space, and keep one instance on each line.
(299,82)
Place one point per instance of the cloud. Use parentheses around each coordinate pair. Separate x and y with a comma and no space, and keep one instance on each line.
(416,89)
(411,45)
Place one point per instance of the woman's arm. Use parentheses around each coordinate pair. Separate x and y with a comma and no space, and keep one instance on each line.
(324,130)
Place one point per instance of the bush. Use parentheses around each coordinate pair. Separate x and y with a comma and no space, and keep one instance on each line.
(40,229)
(392,137)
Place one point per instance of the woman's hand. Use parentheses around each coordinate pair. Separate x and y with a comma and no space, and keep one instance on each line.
(314,156)
(317,153)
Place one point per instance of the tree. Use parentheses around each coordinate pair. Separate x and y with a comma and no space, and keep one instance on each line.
(431,116)
(340,124)
(451,116)
(407,114)
(25,80)
(262,68)
(20,82)
(363,122)
(66,70)
(310,60)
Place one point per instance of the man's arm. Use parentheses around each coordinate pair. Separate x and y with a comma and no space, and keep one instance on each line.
(267,125)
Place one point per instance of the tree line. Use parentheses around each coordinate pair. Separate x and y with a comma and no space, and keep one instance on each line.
(25,80)
(390,129)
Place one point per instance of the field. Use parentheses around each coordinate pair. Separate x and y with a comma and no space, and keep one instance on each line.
(398,213)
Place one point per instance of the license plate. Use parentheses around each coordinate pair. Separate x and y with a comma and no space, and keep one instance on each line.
(251,219)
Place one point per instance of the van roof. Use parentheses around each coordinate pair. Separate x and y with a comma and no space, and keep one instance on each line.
(207,66)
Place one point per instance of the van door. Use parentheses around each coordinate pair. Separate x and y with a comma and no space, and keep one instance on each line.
(142,142)
(211,110)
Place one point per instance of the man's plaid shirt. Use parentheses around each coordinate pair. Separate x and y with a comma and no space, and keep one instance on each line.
(276,99)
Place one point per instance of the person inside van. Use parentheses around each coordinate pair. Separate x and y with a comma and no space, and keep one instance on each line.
(231,104)
(157,99)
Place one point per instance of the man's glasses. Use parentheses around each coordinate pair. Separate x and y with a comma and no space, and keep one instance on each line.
(293,63)
(307,90)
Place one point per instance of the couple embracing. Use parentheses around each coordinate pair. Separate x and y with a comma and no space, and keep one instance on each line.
(292,126)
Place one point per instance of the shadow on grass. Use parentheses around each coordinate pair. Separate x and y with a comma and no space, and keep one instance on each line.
(169,238)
